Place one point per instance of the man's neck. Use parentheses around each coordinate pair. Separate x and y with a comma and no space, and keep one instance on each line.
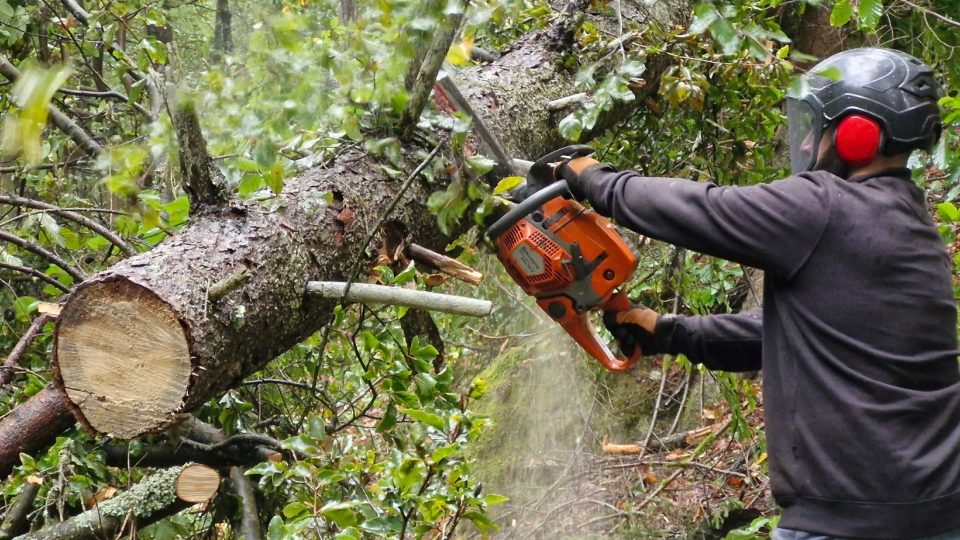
(879,164)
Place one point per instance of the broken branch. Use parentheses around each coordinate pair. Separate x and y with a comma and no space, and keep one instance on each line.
(397,296)
(447,265)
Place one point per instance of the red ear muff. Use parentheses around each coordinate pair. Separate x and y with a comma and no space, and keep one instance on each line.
(858,139)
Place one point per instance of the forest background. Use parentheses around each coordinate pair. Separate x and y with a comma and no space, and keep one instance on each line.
(125,122)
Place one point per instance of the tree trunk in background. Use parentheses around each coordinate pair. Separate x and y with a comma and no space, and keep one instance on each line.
(222,39)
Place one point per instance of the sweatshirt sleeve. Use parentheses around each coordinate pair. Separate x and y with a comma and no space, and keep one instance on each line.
(722,342)
(771,226)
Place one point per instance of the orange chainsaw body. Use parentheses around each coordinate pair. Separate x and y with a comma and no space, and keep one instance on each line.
(572,261)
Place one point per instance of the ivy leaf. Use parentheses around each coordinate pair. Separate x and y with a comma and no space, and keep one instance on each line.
(842,12)
(870,12)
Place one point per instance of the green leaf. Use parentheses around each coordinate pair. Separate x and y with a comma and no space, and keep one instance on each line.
(32,92)
(481,521)
(726,35)
(703,16)
(948,212)
(340,513)
(294,509)
(869,12)
(571,127)
(507,184)
(444,452)
(425,417)
(480,165)
(389,419)
(493,499)
(842,12)
(382,526)
(409,474)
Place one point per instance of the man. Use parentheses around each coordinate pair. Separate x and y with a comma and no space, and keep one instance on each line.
(857,337)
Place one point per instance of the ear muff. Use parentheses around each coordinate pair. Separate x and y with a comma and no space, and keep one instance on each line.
(858,139)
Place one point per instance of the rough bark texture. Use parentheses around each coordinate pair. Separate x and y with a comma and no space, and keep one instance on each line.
(305,233)
(148,501)
(31,426)
(203,181)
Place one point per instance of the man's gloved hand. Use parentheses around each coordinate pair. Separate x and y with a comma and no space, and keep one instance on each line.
(633,328)
(571,169)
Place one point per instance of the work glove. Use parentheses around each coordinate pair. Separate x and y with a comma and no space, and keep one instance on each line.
(636,327)
(547,169)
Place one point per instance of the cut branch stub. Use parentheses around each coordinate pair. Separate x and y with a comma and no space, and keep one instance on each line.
(123,357)
(197,483)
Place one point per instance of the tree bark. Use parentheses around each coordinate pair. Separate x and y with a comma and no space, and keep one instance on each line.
(141,342)
(31,426)
(222,40)
(152,499)
(248,527)
(15,520)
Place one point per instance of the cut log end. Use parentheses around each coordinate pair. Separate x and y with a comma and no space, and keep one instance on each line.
(197,483)
(123,358)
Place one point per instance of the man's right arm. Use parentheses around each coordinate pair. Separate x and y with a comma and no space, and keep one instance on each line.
(772,226)
(722,342)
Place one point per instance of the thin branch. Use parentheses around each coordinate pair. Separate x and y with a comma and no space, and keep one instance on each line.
(7,369)
(249,527)
(57,118)
(240,438)
(35,273)
(43,252)
(72,216)
(931,13)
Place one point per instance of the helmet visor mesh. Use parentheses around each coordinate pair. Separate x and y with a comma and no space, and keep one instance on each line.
(803,132)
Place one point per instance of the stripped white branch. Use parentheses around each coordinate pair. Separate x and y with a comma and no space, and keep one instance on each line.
(397,296)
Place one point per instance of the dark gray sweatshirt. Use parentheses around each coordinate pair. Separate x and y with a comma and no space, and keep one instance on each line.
(857,338)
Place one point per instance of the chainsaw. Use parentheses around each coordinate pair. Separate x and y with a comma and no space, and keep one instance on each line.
(569,258)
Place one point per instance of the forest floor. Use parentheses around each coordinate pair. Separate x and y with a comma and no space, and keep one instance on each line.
(703,486)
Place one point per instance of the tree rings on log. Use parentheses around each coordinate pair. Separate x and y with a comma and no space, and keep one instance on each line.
(197,483)
(123,357)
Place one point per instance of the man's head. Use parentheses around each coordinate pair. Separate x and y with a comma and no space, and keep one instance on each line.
(859,107)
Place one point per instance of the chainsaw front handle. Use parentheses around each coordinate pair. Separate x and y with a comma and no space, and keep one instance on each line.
(581,330)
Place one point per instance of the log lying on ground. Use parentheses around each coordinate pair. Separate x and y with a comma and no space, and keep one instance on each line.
(32,425)
(159,495)
(143,341)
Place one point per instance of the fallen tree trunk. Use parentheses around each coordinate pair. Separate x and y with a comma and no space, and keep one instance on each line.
(157,496)
(143,341)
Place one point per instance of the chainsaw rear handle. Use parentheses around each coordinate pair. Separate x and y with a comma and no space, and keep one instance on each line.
(525,207)
(543,172)
(581,330)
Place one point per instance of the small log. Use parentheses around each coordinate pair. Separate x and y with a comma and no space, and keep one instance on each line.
(32,425)
(397,296)
(197,483)
(447,265)
(15,520)
(151,500)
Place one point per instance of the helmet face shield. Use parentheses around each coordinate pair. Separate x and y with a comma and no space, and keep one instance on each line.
(804,129)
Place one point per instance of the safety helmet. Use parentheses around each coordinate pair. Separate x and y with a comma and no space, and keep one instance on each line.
(891,95)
